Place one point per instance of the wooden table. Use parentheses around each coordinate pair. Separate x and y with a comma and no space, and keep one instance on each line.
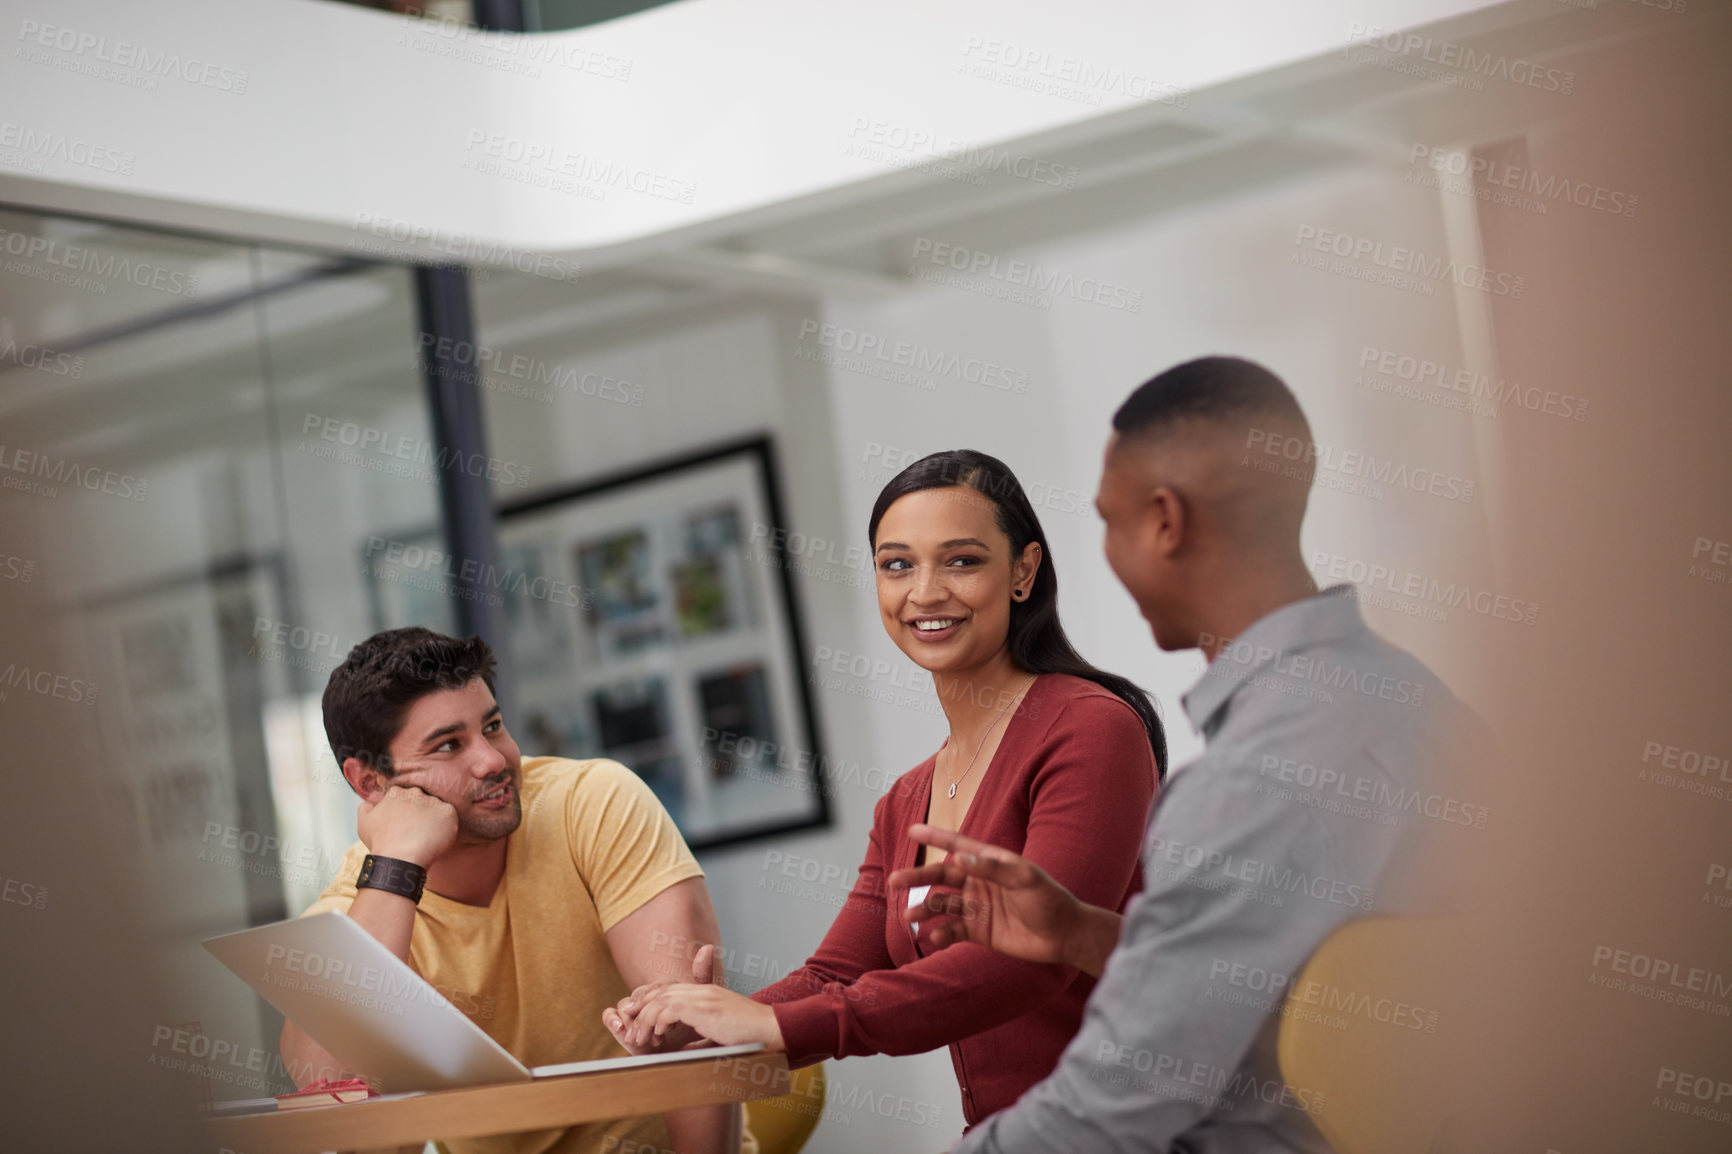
(411,1120)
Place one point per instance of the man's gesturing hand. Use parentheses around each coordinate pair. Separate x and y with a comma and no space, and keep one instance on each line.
(409,823)
(1006,903)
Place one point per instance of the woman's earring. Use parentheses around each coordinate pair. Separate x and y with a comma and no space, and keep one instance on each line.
(1016,593)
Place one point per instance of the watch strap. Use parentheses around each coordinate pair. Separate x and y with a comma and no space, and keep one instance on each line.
(393,875)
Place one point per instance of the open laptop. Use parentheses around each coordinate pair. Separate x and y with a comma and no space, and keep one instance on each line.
(381,1019)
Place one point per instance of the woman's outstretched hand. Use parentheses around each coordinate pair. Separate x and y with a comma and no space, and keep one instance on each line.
(1006,903)
(678,1015)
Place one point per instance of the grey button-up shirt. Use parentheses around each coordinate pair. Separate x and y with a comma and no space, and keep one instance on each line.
(1322,793)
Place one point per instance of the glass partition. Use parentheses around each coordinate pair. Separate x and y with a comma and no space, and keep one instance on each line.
(201,440)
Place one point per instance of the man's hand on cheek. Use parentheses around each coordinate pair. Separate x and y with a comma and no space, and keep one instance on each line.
(409,823)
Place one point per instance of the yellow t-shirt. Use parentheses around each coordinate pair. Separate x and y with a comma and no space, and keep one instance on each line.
(533,968)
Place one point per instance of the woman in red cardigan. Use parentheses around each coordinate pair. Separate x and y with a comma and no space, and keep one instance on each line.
(1047,756)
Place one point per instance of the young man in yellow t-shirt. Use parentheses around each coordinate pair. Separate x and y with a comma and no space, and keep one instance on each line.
(532,894)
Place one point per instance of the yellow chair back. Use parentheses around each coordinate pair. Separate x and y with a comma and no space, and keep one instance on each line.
(1365,1026)
(783,1124)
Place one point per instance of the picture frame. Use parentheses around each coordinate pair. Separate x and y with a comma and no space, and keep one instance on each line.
(652,619)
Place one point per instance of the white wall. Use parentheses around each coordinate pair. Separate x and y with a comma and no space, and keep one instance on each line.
(1214,279)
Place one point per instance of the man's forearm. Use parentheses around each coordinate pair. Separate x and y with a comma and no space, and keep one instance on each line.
(642,944)
(1096,938)
(705,1129)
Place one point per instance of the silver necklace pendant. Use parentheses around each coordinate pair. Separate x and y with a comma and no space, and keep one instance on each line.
(984,736)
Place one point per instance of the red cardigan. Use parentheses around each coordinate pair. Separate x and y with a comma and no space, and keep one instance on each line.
(1070,788)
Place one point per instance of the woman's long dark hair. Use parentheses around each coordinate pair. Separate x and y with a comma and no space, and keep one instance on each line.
(1037,641)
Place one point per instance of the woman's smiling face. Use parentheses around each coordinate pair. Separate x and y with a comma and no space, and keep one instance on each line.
(945,578)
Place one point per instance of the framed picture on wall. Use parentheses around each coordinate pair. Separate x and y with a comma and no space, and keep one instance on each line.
(652,620)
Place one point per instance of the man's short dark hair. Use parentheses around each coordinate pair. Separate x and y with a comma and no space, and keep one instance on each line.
(369,694)
(1218,390)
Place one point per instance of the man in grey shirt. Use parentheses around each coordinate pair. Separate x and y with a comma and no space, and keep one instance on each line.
(1324,794)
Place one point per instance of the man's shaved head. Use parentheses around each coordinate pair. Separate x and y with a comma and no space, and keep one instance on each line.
(1204,428)
(1198,507)
(1218,390)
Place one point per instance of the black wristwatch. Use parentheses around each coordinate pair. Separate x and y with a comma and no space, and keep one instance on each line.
(393,875)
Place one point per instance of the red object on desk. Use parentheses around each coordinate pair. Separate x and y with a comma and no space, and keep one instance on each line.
(325,1092)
